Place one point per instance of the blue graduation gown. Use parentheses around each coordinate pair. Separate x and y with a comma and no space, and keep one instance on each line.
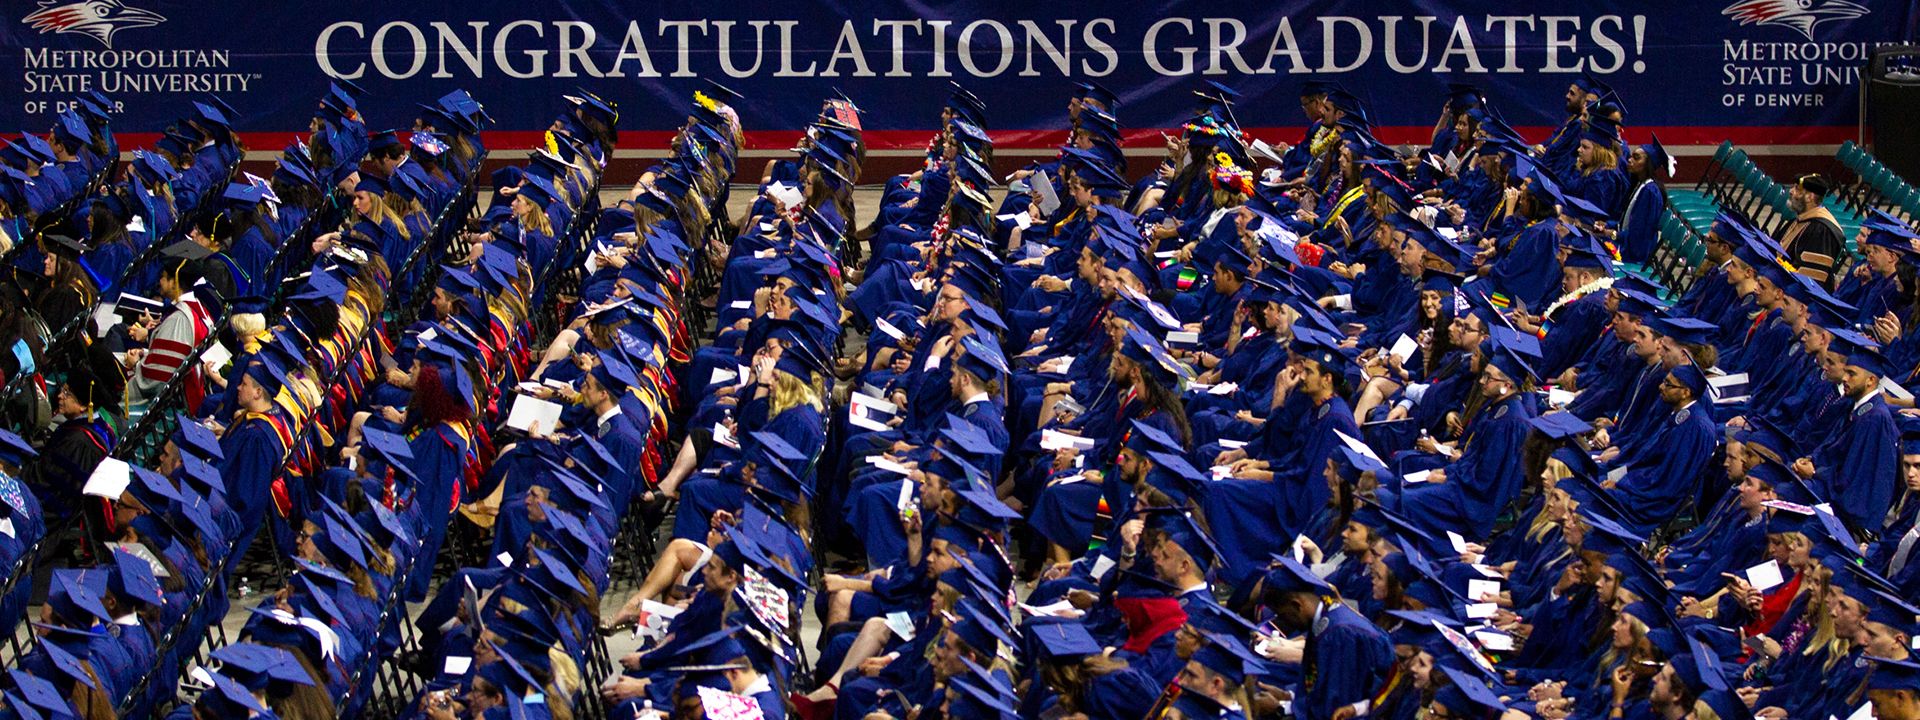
(1663,473)
(1346,661)
(1860,466)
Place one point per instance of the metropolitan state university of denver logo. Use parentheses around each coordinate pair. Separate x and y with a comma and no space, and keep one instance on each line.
(98,19)
(1801,15)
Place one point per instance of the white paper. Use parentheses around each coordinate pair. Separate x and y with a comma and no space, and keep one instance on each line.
(1864,713)
(1063,608)
(1476,611)
(457,665)
(1488,570)
(890,466)
(1068,479)
(724,436)
(1183,337)
(1443,448)
(766,254)
(136,224)
(1403,348)
(901,623)
(1494,641)
(110,478)
(1416,477)
(1459,543)
(889,329)
(721,375)
(505,558)
(788,195)
(1893,390)
(6,527)
(1049,200)
(1765,576)
(1299,549)
(1056,440)
(558,385)
(869,402)
(1064,362)
(1232,444)
(1482,589)
(1223,389)
(866,423)
(1342,302)
(528,410)
(428,334)
(1100,566)
(1260,147)
(1558,398)
(740,304)
(217,354)
(1615,474)
(1020,220)
(1221,472)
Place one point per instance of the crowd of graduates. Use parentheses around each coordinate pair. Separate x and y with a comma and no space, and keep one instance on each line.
(1323,429)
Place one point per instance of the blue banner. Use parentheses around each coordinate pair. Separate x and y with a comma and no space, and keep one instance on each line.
(1758,71)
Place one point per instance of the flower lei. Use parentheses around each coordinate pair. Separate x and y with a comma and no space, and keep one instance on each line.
(1579,292)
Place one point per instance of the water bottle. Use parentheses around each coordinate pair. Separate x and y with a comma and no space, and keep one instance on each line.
(246,586)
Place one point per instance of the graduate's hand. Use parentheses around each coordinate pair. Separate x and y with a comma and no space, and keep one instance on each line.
(1426,445)
(1749,695)
(1621,682)
(1549,690)
(623,688)
(1886,328)
(1804,468)
(1397,413)
(873,665)
(1771,712)
(1311,550)
(1228,457)
(392,414)
(1437,476)
(1608,455)
(1555,709)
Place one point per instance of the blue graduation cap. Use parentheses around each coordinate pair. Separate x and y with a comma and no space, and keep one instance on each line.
(1289,576)
(15,450)
(133,578)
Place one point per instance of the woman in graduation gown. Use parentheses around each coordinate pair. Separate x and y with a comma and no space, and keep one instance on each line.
(442,446)
(1639,231)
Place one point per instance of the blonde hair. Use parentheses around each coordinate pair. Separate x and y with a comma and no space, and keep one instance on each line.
(1603,157)
(790,392)
(379,213)
(537,220)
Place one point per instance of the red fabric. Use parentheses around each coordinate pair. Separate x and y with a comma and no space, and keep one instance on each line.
(1773,605)
(1149,618)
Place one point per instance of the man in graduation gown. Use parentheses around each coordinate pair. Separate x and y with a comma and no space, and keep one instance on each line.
(1656,479)
(1859,466)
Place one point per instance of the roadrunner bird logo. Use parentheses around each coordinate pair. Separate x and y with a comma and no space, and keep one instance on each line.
(1801,15)
(98,19)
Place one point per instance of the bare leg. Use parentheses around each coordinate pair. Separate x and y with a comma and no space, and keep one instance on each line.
(675,560)
(1377,391)
(872,637)
(839,606)
(683,465)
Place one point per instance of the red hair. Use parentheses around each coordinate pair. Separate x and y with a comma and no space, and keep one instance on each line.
(433,402)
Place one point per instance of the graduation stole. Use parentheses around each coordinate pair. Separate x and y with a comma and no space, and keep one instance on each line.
(468,460)
(1339,208)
